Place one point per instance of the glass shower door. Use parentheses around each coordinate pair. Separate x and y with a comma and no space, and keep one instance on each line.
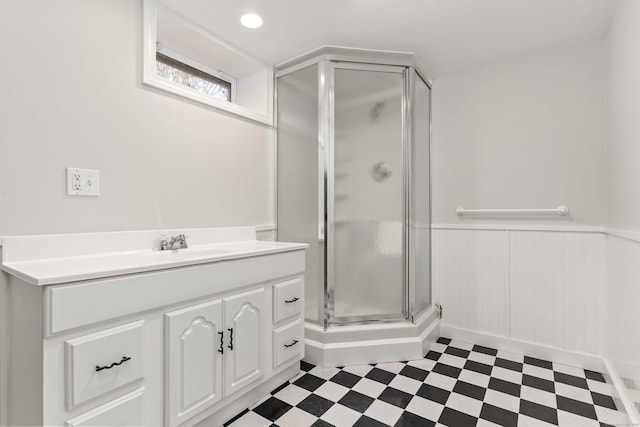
(365,183)
(420,204)
(300,185)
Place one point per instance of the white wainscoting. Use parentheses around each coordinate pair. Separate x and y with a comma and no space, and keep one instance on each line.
(470,279)
(543,287)
(623,327)
(557,283)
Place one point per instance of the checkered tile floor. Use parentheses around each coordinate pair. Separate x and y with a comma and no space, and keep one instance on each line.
(456,384)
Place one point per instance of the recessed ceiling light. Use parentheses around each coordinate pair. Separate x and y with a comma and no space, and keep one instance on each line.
(251,20)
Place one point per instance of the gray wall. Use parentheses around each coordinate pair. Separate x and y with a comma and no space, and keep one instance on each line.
(623,180)
(71,96)
(529,132)
(523,133)
(623,151)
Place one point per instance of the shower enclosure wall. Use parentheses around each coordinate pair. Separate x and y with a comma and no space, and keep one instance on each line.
(354,183)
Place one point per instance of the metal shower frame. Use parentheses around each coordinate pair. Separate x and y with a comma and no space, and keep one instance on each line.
(327,60)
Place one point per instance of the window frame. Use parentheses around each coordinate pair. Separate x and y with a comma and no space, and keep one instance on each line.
(199,70)
(262,112)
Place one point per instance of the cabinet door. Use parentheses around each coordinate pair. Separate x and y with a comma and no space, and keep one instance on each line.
(194,365)
(244,320)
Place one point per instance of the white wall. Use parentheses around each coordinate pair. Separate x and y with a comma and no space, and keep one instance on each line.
(623,204)
(524,133)
(4,347)
(623,152)
(71,96)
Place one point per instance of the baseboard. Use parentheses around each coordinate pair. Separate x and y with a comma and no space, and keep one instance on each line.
(626,369)
(581,360)
(572,358)
(623,395)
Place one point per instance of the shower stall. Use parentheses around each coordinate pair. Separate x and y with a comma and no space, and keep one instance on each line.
(353,181)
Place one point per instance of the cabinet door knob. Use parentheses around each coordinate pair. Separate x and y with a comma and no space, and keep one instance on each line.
(221,349)
(124,359)
(289,301)
(292,344)
(230,346)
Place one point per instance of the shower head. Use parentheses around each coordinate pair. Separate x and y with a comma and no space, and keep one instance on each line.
(381,171)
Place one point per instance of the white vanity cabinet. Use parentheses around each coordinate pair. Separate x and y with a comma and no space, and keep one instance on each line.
(244,356)
(185,345)
(98,363)
(194,366)
(126,410)
(288,332)
(213,349)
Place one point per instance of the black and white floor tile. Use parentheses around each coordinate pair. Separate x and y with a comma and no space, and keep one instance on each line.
(456,384)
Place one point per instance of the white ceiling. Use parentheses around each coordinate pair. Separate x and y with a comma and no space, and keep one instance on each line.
(446,35)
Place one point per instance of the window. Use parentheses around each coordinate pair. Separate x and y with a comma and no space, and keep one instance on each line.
(185,59)
(181,73)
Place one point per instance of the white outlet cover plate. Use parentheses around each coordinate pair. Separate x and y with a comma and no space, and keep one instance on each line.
(83,182)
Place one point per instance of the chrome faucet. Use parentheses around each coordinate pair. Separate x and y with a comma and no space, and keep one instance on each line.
(168,245)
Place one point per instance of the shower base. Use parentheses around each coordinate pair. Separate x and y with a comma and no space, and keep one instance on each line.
(371,343)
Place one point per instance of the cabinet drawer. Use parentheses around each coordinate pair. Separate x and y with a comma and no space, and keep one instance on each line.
(287,299)
(104,361)
(125,411)
(102,299)
(288,343)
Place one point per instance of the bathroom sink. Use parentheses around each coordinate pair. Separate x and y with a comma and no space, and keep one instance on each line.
(75,257)
(188,253)
(203,251)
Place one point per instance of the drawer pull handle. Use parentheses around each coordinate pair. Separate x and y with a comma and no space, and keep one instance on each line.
(230,346)
(124,359)
(221,349)
(290,301)
(292,344)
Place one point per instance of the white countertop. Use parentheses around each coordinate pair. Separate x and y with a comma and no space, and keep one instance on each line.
(80,260)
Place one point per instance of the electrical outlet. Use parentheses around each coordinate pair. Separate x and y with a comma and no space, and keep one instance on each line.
(82,182)
(75,181)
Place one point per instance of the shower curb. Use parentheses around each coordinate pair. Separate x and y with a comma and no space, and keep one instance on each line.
(411,342)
